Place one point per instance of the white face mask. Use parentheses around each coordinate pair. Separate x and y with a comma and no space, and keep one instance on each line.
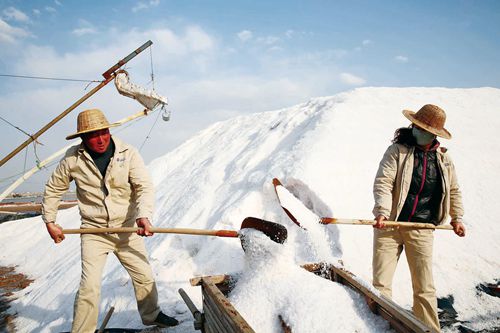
(422,137)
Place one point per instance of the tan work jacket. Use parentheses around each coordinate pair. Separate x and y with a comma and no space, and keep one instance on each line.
(123,195)
(393,180)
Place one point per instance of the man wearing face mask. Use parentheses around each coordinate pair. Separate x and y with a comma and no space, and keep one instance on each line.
(113,189)
(415,182)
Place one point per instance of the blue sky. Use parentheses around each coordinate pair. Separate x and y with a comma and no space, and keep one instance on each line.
(218,59)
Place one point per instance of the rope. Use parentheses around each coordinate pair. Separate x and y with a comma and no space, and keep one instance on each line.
(37,160)
(124,127)
(47,78)
(15,127)
(150,130)
(152,73)
(153,86)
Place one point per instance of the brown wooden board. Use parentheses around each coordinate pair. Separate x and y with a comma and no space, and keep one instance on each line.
(222,317)
(401,320)
(221,305)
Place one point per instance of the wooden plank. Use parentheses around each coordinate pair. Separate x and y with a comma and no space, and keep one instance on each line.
(218,318)
(216,279)
(210,324)
(226,311)
(400,319)
(389,305)
(397,325)
(224,316)
(214,294)
(212,320)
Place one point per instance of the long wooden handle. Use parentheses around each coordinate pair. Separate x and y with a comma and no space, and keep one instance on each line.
(202,232)
(108,76)
(331,220)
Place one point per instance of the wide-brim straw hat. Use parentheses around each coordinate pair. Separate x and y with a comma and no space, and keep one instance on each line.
(431,118)
(89,121)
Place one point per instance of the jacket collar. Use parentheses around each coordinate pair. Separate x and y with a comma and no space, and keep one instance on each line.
(435,145)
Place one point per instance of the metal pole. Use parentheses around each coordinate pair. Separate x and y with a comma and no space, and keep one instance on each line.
(106,319)
(108,75)
(197,315)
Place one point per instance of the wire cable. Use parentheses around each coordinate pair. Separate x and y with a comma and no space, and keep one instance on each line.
(15,126)
(150,130)
(152,72)
(46,78)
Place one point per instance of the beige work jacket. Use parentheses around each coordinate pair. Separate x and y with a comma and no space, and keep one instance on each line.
(393,180)
(117,200)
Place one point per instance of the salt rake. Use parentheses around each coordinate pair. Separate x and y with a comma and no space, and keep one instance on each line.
(274,231)
(332,220)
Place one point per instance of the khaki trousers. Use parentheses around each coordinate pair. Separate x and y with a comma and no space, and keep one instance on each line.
(130,251)
(388,244)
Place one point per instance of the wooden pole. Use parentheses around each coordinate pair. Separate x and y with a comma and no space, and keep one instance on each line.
(108,76)
(49,159)
(331,220)
(142,113)
(201,232)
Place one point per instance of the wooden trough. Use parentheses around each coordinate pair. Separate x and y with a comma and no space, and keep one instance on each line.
(219,315)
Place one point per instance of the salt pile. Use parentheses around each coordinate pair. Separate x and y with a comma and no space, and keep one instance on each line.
(330,148)
(273,285)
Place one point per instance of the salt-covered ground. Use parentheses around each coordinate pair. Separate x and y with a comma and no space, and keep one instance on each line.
(326,151)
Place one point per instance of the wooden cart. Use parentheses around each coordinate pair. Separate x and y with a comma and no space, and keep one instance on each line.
(219,315)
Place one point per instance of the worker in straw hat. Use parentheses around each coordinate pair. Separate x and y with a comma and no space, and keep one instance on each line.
(415,182)
(113,190)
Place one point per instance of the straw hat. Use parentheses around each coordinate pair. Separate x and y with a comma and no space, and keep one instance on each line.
(431,118)
(89,121)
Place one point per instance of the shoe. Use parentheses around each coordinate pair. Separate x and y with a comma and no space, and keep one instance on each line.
(162,320)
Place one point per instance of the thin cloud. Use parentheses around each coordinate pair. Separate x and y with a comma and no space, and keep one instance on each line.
(245,35)
(14,14)
(51,10)
(9,34)
(36,12)
(84,28)
(83,31)
(141,5)
(352,79)
(401,59)
(57,2)
(364,43)
(275,48)
(268,40)
(198,40)
(177,50)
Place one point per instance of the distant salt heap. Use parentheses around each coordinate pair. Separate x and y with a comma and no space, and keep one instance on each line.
(272,285)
